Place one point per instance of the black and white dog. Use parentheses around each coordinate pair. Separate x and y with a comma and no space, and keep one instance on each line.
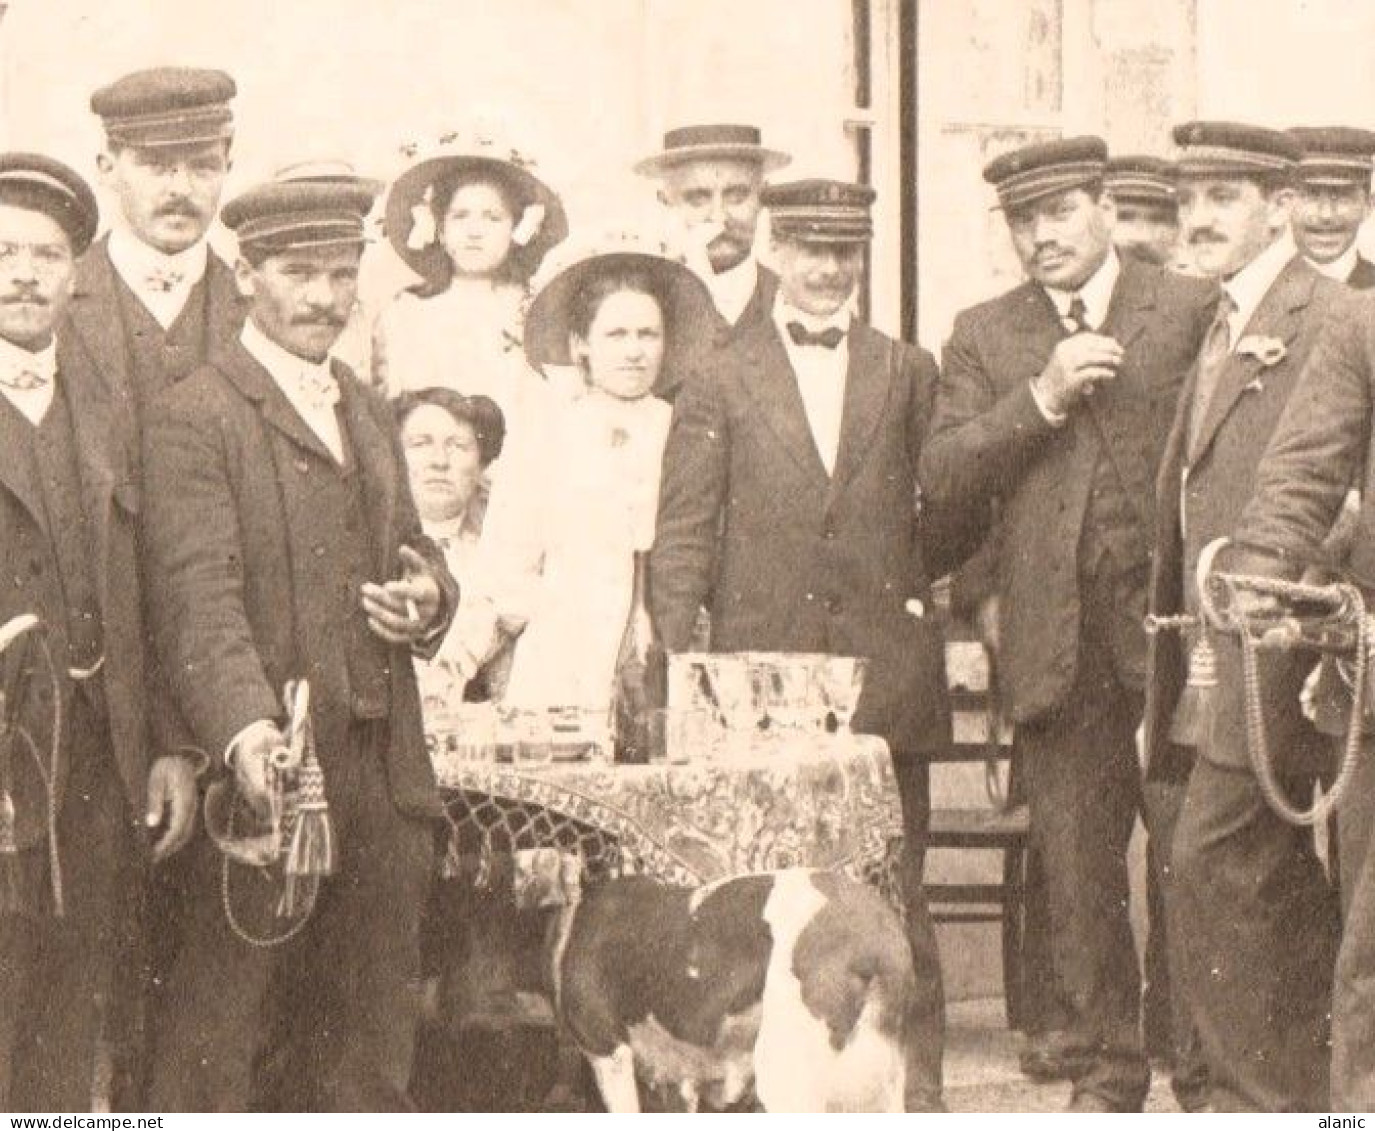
(793,988)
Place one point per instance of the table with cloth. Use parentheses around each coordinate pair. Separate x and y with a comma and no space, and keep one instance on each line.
(805,800)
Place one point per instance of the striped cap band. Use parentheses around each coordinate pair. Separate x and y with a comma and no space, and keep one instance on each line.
(302,229)
(1023,188)
(189,126)
(1139,186)
(1335,168)
(1203,159)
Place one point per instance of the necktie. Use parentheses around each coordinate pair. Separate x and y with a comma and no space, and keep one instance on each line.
(828,338)
(163,280)
(1217,345)
(319,389)
(1077,318)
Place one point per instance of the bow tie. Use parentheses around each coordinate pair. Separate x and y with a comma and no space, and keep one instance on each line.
(163,280)
(23,377)
(318,389)
(828,338)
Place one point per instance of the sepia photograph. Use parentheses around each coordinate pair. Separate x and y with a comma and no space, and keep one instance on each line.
(618,556)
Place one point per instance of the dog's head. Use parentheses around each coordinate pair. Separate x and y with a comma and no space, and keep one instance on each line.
(546,878)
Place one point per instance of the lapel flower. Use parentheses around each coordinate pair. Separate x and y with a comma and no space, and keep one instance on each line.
(1267,351)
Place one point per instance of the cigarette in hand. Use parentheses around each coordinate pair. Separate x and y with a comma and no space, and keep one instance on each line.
(412,612)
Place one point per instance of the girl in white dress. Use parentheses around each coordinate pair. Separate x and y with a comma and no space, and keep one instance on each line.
(564,545)
(474,222)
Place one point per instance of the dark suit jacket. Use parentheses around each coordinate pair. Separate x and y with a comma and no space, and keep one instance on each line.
(990,442)
(103,425)
(1362,277)
(787,558)
(1200,494)
(229,519)
(98,316)
(705,338)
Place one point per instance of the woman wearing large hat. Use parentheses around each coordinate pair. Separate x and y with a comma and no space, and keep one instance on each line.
(565,554)
(474,222)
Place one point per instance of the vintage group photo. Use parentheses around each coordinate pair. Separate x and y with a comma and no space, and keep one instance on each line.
(687,555)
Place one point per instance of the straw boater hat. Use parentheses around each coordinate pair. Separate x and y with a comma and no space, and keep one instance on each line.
(699,143)
(412,229)
(548,322)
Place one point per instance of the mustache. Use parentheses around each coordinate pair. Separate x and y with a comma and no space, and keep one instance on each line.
(1206,235)
(729,239)
(179,207)
(322,319)
(14,298)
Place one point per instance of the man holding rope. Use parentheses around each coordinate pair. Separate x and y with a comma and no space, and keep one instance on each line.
(284,546)
(76,780)
(1322,445)
(1252,920)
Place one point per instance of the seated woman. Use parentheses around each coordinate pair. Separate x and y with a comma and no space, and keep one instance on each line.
(564,556)
(450,440)
(474,222)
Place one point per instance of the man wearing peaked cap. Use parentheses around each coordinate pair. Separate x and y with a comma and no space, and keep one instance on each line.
(1053,409)
(788,504)
(1142,187)
(710,179)
(152,296)
(1256,919)
(275,457)
(70,846)
(1333,200)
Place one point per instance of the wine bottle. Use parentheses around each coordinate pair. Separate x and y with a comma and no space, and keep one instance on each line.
(630,693)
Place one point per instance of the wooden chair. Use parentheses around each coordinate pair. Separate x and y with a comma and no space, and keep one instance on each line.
(999,824)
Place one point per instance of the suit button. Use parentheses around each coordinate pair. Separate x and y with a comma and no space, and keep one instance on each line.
(319,550)
(302,466)
(829,534)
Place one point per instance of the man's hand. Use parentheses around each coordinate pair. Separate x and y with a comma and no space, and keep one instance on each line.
(251,759)
(1079,363)
(171,800)
(987,619)
(404,611)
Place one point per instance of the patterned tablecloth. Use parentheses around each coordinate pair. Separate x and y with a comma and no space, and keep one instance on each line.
(824,802)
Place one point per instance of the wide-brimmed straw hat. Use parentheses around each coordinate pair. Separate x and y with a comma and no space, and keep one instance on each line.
(712,142)
(688,305)
(413,230)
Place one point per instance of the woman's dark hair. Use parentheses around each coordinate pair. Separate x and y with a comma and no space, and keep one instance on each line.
(480,413)
(519,265)
(601,285)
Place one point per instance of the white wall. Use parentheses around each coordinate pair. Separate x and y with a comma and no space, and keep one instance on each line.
(588,86)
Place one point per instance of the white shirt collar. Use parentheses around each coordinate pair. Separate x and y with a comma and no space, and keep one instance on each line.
(137,261)
(42,362)
(1249,286)
(1096,292)
(785,312)
(732,289)
(1341,267)
(32,402)
(285,367)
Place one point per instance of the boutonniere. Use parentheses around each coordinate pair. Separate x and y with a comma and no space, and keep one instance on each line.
(1267,351)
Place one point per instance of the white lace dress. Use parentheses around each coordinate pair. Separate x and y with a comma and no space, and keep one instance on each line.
(559,553)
